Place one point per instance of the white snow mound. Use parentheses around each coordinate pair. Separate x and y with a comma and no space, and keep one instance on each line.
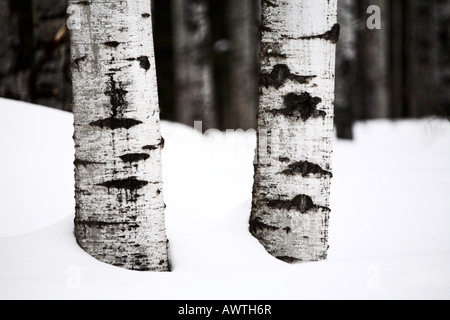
(389,225)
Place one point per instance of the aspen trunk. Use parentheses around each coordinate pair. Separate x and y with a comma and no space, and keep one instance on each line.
(194,86)
(290,207)
(242,27)
(118,185)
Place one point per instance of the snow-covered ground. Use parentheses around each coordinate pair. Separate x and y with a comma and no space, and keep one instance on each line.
(389,228)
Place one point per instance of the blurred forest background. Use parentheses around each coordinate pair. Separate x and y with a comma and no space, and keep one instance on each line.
(207,54)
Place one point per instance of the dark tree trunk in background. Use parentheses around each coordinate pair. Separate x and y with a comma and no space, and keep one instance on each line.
(163,40)
(392,63)
(442,14)
(50,74)
(421,54)
(345,69)
(243,84)
(221,47)
(397,61)
(373,64)
(34,67)
(193,65)
(17,49)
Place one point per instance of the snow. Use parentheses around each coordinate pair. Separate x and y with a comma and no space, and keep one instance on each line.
(389,226)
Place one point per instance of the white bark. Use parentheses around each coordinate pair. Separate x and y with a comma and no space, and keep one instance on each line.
(194,85)
(118,185)
(290,208)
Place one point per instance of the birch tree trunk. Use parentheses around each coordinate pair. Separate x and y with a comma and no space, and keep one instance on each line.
(118,186)
(290,207)
(194,85)
(242,27)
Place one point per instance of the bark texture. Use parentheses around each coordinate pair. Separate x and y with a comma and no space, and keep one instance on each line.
(118,184)
(193,65)
(290,207)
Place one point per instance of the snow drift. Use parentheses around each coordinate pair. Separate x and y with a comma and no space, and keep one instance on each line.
(388,230)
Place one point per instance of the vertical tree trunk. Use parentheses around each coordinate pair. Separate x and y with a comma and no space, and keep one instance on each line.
(373,63)
(345,69)
(397,61)
(290,207)
(194,87)
(17,49)
(242,27)
(118,186)
(49,77)
(442,13)
(421,54)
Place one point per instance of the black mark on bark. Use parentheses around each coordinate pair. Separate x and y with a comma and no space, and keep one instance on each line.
(83,3)
(76,62)
(302,106)
(85,163)
(263,28)
(144,62)
(134,157)
(114,123)
(305,168)
(112,44)
(128,184)
(145,15)
(257,224)
(117,97)
(288,259)
(101,224)
(279,75)
(302,203)
(284,159)
(272,49)
(150,147)
(155,147)
(270,3)
(331,35)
